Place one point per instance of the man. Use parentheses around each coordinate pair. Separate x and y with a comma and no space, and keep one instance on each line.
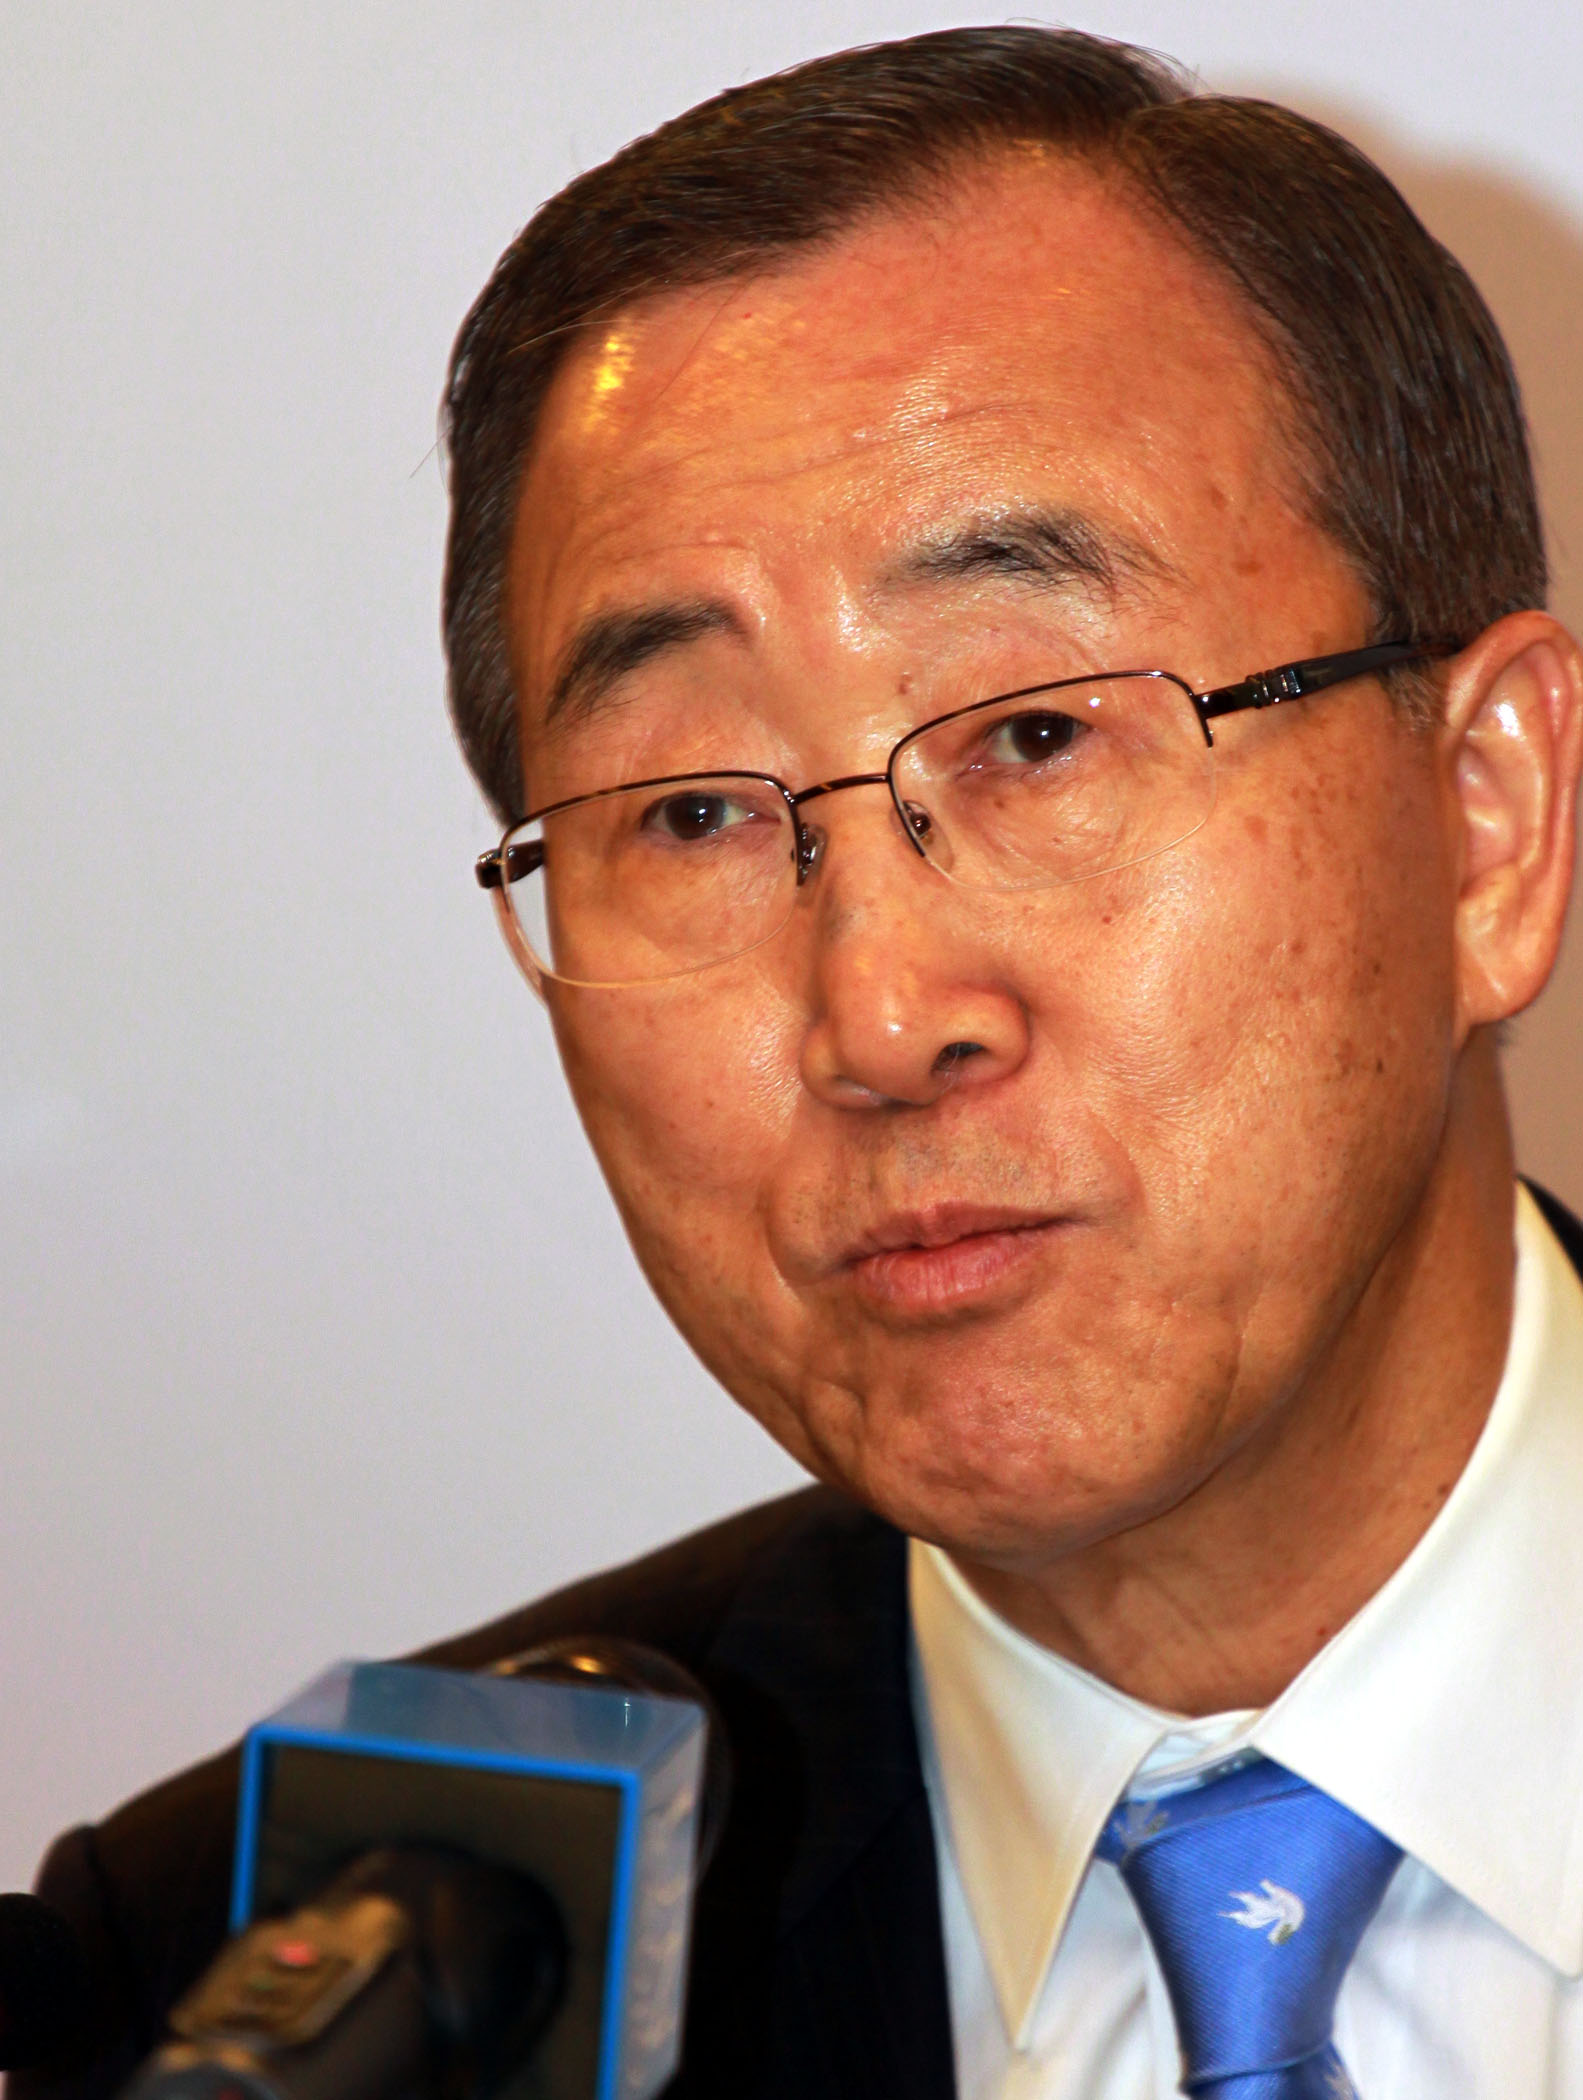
(1000,603)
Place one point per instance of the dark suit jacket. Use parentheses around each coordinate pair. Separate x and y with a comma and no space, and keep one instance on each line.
(818,1969)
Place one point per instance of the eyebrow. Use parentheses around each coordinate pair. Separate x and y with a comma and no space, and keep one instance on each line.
(1051,549)
(609,645)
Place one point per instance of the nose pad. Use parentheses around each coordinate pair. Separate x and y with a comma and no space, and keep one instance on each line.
(928,838)
(810,850)
(919,827)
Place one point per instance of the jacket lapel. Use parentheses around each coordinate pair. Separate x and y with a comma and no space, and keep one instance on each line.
(870,1969)
(835,1874)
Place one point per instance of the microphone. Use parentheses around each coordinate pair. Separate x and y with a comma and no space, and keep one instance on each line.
(451,1887)
(43,1981)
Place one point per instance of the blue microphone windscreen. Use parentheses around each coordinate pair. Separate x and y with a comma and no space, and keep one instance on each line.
(591,1790)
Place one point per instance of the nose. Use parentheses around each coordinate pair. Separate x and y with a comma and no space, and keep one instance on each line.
(907,1000)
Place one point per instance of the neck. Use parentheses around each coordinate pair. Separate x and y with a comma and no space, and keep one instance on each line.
(1207,1608)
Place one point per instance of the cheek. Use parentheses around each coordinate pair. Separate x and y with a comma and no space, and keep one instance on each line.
(688,1093)
(1282,1038)
(1347,901)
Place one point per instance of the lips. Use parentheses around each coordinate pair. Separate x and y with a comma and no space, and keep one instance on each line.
(949,1259)
(941,1225)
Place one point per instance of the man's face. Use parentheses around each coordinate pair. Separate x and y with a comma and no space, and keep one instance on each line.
(1022,1294)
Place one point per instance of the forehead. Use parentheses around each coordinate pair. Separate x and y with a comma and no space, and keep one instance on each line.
(1028,335)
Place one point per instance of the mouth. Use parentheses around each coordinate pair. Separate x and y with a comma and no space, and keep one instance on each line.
(947,1259)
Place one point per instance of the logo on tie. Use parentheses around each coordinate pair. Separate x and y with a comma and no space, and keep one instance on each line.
(1278,1909)
(1136,1824)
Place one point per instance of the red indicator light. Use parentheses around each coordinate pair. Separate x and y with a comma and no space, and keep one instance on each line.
(296,1954)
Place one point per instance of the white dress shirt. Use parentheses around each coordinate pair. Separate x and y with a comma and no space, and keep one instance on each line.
(1448,1713)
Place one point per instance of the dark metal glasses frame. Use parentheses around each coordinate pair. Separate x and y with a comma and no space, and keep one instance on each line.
(509,862)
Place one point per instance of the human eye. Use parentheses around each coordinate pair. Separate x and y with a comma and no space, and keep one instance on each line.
(1033,736)
(698,815)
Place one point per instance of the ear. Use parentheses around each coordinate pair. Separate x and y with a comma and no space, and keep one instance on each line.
(1512,743)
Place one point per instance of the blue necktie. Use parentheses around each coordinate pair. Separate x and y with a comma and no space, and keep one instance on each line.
(1254,1889)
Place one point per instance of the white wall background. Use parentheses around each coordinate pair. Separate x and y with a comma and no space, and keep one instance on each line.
(317,1334)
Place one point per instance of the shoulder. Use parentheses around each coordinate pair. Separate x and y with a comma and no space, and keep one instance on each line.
(1567,1229)
(148,1887)
(786,1557)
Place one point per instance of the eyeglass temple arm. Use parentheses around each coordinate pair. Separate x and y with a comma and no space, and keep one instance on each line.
(491,870)
(1296,681)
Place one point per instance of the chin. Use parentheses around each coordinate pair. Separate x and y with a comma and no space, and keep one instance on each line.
(1016,1484)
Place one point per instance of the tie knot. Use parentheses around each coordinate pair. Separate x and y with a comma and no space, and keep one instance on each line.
(1255,1889)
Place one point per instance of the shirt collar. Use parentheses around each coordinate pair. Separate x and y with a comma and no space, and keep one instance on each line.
(1448,1712)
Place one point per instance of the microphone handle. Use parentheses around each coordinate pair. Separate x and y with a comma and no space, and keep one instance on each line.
(418,1972)
(355,2027)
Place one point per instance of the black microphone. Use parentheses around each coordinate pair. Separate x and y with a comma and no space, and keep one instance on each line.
(43,1982)
(418,1970)
(465,1888)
